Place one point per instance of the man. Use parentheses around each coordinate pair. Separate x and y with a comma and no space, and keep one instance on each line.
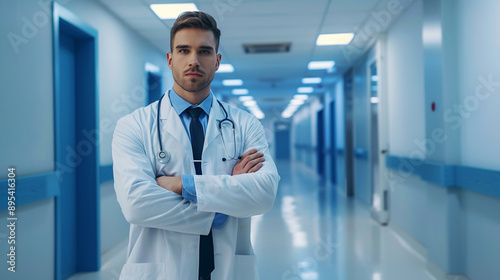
(189,208)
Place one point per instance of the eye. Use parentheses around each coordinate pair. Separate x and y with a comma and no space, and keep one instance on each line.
(183,50)
(204,52)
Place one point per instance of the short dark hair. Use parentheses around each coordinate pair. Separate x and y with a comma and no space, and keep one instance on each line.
(198,20)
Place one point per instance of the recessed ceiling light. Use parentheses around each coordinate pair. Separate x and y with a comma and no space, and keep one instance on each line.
(334,39)
(305,90)
(316,65)
(240,91)
(315,80)
(233,82)
(172,11)
(245,98)
(225,68)
(296,101)
(301,96)
(250,103)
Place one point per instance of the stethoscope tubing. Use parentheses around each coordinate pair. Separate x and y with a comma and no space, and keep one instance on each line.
(162,155)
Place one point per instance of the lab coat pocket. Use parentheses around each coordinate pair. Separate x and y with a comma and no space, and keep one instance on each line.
(146,271)
(245,267)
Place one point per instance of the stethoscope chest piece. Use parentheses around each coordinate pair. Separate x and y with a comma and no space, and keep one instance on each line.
(163,157)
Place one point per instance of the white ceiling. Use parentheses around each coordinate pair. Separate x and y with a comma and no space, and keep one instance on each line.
(271,78)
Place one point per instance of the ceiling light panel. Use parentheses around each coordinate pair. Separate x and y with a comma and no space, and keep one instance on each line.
(172,11)
(250,103)
(319,65)
(232,82)
(225,68)
(305,90)
(301,96)
(240,91)
(334,39)
(315,80)
(245,98)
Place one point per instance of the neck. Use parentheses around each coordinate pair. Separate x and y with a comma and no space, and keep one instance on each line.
(192,97)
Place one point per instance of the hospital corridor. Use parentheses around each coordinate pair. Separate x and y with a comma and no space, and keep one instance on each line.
(250,139)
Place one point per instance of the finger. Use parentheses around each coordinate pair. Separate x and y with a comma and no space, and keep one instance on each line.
(248,157)
(251,151)
(254,162)
(248,160)
(254,156)
(255,168)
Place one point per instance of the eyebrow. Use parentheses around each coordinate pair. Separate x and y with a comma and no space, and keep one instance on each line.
(206,47)
(188,47)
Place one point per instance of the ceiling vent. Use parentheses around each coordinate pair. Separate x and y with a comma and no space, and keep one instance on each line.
(267,48)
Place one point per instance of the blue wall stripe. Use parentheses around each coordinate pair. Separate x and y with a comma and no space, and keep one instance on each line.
(106,173)
(438,173)
(31,188)
(478,180)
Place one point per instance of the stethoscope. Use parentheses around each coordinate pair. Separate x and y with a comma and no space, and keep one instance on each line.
(164,157)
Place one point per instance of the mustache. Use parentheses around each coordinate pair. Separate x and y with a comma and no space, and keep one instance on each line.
(194,70)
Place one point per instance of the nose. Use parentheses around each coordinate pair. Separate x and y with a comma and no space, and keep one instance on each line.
(193,60)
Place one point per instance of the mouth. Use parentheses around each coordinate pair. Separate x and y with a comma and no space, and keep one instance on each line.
(194,75)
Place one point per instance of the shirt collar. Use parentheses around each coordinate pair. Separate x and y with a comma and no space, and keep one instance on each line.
(179,104)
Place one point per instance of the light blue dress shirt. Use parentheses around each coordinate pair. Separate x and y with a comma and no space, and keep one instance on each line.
(180,105)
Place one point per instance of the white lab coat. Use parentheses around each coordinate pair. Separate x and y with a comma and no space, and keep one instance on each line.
(165,227)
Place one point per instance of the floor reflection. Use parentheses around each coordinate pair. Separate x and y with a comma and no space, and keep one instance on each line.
(314,233)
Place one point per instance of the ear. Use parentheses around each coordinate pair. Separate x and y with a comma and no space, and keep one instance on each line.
(169,60)
(219,57)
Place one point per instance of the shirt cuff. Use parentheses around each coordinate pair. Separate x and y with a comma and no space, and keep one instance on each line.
(219,220)
(188,188)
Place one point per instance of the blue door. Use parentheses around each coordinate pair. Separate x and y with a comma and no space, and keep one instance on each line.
(282,140)
(320,149)
(154,87)
(333,143)
(76,145)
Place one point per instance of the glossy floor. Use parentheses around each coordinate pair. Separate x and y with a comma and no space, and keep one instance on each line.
(314,233)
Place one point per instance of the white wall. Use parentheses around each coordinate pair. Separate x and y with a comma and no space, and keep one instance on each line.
(405,87)
(405,92)
(27,141)
(479,59)
(26,108)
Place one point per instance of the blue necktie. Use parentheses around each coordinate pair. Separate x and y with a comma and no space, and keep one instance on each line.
(206,241)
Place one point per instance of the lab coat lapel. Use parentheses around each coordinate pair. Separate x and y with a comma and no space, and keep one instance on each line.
(216,115)
(172,125)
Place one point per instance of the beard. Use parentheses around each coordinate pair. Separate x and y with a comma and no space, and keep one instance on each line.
(193,84)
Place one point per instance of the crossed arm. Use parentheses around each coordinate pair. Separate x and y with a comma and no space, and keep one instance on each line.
(250,162)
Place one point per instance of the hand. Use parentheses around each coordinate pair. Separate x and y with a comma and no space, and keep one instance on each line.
(170,183)
(250,162)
